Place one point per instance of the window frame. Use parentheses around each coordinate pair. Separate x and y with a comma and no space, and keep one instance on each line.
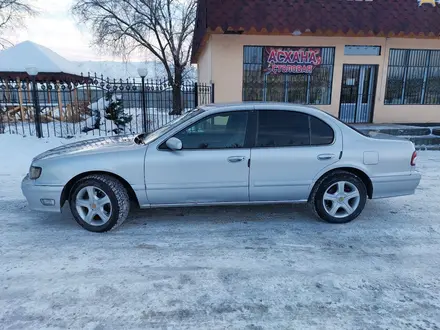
(347,49)
(309,79)
(248,140)
(257,128)
(406,67)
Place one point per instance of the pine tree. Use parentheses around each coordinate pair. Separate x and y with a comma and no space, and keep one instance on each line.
(115,112)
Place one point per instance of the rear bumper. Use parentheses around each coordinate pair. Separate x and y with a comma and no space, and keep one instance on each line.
(34,194)
(393,186)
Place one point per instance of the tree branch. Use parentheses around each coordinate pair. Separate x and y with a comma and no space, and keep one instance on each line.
(12,15)
(163,27)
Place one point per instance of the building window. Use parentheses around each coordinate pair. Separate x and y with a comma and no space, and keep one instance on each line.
(361,50)
(413,77)
(302,88)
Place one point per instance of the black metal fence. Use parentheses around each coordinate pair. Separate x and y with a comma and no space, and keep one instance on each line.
(93,105)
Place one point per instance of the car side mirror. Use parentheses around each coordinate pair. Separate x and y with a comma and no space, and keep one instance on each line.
(174,143)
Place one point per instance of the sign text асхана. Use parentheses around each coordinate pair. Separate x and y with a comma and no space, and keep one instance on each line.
(288,60)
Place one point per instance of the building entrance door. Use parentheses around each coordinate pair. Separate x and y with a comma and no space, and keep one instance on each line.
(358,93)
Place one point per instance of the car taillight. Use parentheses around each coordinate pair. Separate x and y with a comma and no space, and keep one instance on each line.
(414,158)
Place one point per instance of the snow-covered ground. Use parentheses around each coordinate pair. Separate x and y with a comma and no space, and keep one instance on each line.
(271,267)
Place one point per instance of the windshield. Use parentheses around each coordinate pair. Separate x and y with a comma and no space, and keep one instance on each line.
(147,138)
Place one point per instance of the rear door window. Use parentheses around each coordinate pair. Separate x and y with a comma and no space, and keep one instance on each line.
(321,133)
(282,129)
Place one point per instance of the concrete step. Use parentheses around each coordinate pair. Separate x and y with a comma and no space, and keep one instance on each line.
(424,141)
(400,130)
(433,148)
(407,132)
(424,137)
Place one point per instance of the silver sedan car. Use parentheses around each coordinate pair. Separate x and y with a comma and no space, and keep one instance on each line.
(246,153)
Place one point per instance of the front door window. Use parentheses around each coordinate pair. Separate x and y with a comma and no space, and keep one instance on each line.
(220,131)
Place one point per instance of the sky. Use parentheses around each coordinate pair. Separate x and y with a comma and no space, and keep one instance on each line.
(56,29)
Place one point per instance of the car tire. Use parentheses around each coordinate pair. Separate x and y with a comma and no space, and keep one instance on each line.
(99,203)
(339,197)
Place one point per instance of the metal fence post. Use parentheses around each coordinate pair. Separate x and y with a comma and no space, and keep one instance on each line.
(142,72)
(196,95)
(212,93)
(144,107)
(38,128)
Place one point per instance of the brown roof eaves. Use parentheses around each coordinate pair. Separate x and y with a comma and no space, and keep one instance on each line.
(391,18)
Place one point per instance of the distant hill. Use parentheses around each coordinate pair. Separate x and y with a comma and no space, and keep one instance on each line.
(122,70)
(17,58)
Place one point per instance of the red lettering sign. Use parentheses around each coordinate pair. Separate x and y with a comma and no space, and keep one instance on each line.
(286,60)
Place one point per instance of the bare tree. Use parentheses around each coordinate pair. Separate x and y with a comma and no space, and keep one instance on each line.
(163,27)
(12,14)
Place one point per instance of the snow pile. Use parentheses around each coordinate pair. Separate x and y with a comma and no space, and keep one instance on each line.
(49,129)
(27,53)
(102,103)
(17,153)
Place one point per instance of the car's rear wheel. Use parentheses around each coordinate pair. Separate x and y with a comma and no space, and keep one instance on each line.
(339,197)
(99,203)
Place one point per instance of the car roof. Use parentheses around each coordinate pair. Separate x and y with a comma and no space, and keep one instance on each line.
(307,109)
(236,106)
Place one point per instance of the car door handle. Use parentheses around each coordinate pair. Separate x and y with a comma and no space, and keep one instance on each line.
(326,156)
(236,159)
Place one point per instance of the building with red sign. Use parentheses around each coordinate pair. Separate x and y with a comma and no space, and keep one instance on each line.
(360,60)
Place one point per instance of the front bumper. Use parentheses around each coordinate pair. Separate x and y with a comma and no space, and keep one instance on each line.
(35,193)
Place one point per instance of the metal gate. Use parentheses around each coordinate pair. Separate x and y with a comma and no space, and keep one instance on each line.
(358,93)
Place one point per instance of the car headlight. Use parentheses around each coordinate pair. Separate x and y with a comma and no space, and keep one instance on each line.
(34,172)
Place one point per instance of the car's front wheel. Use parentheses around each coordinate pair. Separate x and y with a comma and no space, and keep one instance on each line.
(339,197)
(99,203)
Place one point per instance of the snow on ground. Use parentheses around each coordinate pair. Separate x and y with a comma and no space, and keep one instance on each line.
(16,153)
(266,267)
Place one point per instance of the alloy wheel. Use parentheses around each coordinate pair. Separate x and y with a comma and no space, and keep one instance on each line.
(341,199)
(93,206)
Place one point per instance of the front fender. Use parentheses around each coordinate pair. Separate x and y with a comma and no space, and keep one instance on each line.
(127,164)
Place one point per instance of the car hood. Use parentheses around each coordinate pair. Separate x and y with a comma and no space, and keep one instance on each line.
(87,146)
